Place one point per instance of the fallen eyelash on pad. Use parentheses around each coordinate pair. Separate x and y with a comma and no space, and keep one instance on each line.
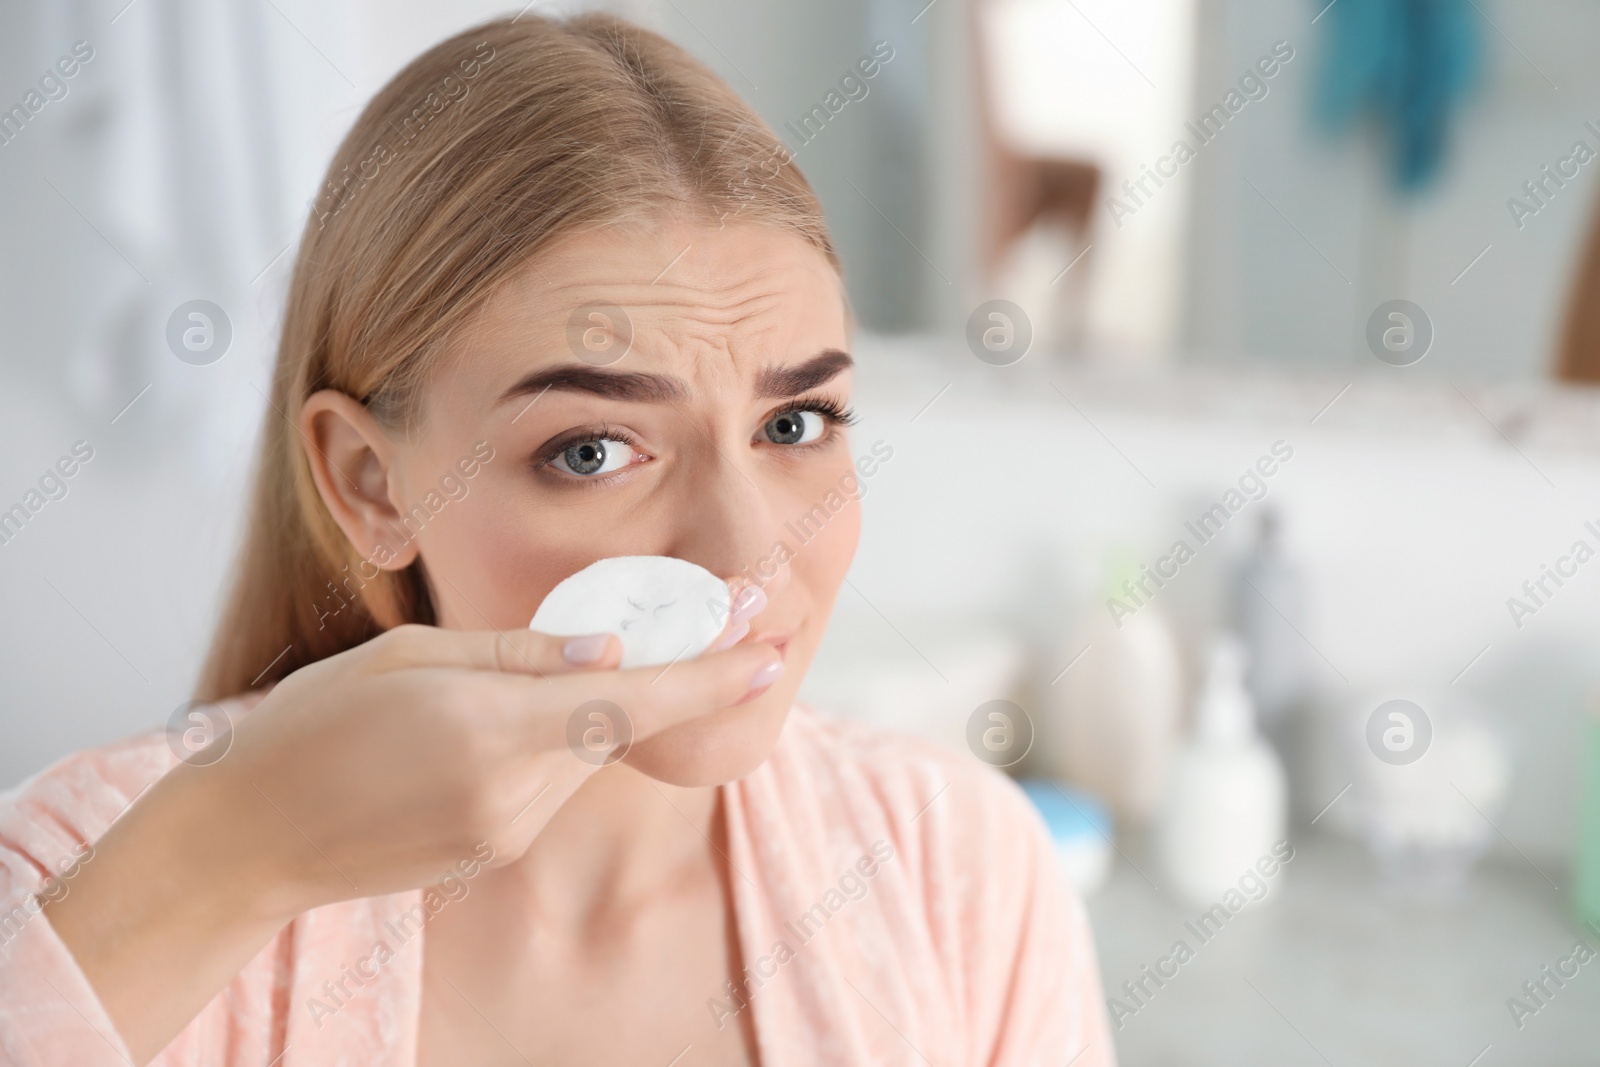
(661,608)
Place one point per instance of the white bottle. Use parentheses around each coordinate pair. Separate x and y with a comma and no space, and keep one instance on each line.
(1225,803)
(1112,719)
(1270,609)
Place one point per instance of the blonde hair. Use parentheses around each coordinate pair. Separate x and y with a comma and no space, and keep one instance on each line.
(478,154)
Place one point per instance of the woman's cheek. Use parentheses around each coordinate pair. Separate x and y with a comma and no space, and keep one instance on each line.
(826,558)
(487,564)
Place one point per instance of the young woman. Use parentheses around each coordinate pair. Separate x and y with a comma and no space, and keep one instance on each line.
(564,298)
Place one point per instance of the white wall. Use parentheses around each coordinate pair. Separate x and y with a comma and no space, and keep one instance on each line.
(1413,518)
(1258,288)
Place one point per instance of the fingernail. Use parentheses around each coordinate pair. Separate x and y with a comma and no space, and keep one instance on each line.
(749,602)
(734,636)
(585,649)
(764,677)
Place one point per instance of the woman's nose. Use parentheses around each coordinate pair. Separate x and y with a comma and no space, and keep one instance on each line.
(730,526)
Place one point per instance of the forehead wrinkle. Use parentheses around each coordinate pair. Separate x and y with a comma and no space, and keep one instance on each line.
(712,307)
(673,331)
(711,317)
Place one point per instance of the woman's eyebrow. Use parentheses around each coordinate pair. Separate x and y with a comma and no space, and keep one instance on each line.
(613,385)
(643,387)
(781,382)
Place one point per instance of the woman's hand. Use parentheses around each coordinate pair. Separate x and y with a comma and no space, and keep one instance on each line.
(367,773)
(375,770)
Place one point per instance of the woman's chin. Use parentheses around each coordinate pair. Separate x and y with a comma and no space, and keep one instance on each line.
(717,748)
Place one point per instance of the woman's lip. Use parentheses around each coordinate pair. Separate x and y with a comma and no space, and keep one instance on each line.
(777,641)
(740,635)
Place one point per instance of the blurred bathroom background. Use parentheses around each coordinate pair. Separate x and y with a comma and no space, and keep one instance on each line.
(1307,288)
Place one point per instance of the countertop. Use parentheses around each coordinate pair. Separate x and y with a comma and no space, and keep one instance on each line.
(1332,969)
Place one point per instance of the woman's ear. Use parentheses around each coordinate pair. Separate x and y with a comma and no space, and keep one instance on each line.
(351,456)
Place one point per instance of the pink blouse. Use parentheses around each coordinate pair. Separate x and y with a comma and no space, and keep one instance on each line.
(896,904)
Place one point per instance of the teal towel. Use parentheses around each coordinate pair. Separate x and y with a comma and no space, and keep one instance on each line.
(1408,63)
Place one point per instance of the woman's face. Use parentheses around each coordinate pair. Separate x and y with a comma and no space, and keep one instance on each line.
(714,438)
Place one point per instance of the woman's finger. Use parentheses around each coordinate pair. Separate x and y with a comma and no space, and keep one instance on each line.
(512,651)
(745,603)
(657,698)
(650,699)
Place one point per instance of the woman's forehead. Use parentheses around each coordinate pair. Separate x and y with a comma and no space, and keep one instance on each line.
(727,299)
(725,306)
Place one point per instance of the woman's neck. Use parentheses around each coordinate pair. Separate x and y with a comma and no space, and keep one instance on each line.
(624,900)
(611,847)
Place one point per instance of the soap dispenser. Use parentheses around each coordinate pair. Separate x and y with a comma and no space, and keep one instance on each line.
(1225,804)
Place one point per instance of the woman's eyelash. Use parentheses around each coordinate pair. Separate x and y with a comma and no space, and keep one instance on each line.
(555,448)
(825,406)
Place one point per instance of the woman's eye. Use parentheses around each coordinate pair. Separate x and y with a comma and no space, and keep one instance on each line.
(601,455)
(795,427)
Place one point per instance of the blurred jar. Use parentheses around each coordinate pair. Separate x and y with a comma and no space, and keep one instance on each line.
(1111,721)
(1431,776)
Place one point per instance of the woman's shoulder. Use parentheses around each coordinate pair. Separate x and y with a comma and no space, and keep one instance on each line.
(71,802)
(899,768)
(846,779)
(926,876)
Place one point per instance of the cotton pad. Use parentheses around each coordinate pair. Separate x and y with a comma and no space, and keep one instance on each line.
(663,609)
